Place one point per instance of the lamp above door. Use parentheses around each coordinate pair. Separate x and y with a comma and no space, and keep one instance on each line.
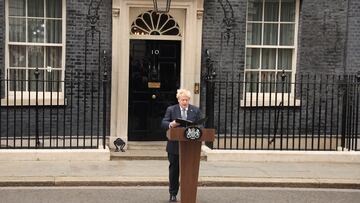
(162,7)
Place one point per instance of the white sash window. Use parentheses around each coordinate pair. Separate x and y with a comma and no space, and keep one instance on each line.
(35,38)
(271,45)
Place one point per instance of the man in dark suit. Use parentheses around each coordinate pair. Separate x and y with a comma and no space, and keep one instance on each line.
(182,110)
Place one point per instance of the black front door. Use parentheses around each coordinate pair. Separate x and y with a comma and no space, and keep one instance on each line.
(154,77)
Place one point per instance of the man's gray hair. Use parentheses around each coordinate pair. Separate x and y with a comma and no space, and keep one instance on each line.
(183,92)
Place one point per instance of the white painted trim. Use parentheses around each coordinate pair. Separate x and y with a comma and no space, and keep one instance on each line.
(266,102)
(152,37)
(190,57)
(176,14)
(10,94)
(294,47)
(41,101)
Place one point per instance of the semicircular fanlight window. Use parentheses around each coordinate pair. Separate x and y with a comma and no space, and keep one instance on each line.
(153,23)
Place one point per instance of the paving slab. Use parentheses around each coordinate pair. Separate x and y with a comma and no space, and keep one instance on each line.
(155,173)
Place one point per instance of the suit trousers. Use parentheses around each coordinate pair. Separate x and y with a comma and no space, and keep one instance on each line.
(173,173)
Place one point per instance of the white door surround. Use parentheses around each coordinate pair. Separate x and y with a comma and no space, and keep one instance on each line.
(189,14)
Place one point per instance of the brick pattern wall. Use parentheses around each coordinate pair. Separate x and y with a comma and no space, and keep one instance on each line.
(353,45)
(322,32)
(81,98)
(77,24)
(2,42)
(225,52)
(321,42)
(2,35)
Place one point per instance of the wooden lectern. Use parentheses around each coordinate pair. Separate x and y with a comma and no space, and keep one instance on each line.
(189,160)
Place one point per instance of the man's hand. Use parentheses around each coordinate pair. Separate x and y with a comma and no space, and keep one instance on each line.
(173,124)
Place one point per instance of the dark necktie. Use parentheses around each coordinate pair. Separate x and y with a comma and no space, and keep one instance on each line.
(183,114)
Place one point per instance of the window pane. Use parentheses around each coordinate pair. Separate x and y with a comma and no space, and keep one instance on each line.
(17,79)
(288,10)
(54,8)
(17,8)
(173,31)
(268,82)
(268,59)
(53,31)
(140,23)
(36,57)
(53,57)
(36,8)
(254,33)
(287,34)
(163,19)
(283,84)
(36,84)
(255,10)
(54,78)
(271,12)
(252,58)
(36,30)
(17,30)
(270,34)
(17,56)
(285,59)
(252,79)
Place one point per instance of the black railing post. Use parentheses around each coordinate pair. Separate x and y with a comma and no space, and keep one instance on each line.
(283,78)
(1,96)
(36,73)
(210,89)
(357,89)
(105,82)
(344,112)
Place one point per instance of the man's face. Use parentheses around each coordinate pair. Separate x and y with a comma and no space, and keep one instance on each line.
(184,101)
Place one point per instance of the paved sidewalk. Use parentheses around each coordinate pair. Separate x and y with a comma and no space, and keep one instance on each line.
(155,172)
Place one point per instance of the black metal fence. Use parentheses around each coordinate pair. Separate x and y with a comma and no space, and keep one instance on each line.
(50,112)
(313,112)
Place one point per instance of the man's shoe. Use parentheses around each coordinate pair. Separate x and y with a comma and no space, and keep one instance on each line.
(172,198)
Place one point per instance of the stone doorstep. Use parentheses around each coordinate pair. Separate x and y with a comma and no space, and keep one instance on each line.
(145,154)
(138,154)
(150,150)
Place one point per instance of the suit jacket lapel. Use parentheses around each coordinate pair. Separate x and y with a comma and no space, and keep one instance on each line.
(177,112)
(190,114)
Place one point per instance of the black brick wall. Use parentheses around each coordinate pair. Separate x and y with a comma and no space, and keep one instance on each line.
(321,40)
(322,32)
(75,36)
(213,29)
(2,35)
(353,53)
(322,44)
(83,96)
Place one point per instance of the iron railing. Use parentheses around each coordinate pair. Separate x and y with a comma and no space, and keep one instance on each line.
(316,112)
(54,113)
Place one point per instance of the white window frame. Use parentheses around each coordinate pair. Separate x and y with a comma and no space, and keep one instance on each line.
(25,97)
(272,99)
(176,15)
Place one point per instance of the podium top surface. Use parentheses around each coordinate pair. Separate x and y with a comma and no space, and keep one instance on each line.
(177,134)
